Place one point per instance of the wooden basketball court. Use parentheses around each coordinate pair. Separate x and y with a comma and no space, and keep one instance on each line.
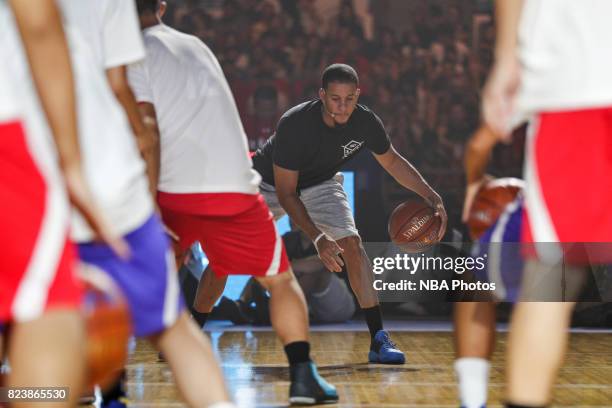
(255,368)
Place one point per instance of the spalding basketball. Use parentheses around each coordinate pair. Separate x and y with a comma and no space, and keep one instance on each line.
(414,227)
(490,202)
(108,329)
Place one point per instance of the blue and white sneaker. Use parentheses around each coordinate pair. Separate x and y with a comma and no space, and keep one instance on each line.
(308,387)
(384,351)
(122,402)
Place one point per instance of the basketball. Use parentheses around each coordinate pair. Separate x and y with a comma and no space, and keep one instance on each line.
(414,227)
(108,329)
(490,202)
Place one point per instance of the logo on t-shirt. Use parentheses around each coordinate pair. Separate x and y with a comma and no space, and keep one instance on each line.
(350,148)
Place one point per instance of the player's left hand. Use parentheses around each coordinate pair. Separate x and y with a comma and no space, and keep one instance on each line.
(436,202)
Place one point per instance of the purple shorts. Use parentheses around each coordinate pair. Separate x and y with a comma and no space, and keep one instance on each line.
(149,280)
(501,244)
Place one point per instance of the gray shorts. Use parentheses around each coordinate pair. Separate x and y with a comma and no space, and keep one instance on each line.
(327,205)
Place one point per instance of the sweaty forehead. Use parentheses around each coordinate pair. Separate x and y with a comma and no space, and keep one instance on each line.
(341,89)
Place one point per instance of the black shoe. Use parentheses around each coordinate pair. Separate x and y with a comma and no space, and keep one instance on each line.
(307,386)
(115,396)
(122,402)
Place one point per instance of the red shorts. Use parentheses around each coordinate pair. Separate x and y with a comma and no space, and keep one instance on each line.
(37,265)
(236,231)
(568,174)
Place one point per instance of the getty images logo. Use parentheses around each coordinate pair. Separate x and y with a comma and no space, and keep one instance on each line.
(350,148)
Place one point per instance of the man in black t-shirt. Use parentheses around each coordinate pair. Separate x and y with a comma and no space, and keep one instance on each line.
(299,166)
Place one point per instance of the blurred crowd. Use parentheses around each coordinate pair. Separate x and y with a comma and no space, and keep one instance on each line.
(422,76)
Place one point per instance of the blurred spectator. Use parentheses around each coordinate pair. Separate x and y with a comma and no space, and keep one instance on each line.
(261,123)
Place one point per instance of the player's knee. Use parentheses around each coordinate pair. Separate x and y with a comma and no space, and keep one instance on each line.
(351,245)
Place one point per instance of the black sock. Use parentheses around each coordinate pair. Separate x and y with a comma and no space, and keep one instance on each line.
(298,352)
(200,317)
(373,318)
(117,390)
(509,405)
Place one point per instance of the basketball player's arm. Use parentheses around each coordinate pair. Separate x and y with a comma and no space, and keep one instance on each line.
(45,45)
(477,155)
(148,116)
(409,177)
(143,126)
(507,16)
(504,79)
(286,182)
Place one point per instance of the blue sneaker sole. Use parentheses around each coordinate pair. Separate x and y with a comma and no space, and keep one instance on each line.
(374,357)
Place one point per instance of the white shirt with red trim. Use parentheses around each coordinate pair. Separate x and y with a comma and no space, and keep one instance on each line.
(110,28)
(565,47)
(203,144)
(9,104)
(102,34)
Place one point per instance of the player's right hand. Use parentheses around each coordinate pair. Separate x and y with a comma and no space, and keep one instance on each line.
(329,252)
(435,201)
(82,199)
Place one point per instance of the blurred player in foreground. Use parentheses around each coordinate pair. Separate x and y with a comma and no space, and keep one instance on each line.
(208,191)
(106,36)
(551,65)
(474,322)
(40,295)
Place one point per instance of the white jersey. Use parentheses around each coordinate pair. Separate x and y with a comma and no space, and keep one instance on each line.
(110,28)
(203,145)
(9,104)
(565,47)
(22,104)
(105,33)
(19,102)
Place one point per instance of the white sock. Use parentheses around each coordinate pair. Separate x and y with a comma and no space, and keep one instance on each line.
(222,405)
(473,377)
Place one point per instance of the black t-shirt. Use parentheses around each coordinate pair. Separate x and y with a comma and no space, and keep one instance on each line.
(303,142)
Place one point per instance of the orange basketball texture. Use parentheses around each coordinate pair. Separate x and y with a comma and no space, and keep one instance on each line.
(108,330)
(490,202)
(414,227)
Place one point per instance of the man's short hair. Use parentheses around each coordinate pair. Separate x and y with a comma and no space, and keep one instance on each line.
(145,6)
(342,73)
